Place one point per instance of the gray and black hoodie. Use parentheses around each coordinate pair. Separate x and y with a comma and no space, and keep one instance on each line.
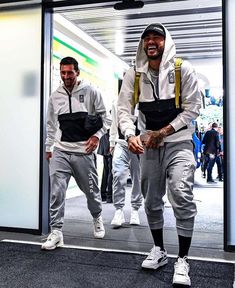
(67,115)
(152,99)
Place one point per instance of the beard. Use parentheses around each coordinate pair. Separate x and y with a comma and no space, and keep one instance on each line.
(156,56)
(153,57)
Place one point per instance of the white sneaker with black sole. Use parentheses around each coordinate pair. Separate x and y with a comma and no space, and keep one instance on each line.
(181,276)
(99,231)
(54,240)
(155,259)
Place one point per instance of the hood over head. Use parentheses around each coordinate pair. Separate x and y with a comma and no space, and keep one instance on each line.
(153,28)
(169,50)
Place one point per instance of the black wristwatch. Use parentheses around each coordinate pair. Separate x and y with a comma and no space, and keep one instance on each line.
(128,136)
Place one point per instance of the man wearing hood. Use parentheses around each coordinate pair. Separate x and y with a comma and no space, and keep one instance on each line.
(165,141)
(76,120)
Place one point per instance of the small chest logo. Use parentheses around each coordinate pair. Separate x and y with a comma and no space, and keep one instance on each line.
(81,98)
(171,77)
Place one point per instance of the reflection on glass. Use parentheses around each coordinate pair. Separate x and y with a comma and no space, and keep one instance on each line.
(20,50)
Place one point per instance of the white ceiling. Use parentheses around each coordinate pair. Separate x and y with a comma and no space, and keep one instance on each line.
(195,25)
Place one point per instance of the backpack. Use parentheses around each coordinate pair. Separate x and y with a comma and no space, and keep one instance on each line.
(178,63)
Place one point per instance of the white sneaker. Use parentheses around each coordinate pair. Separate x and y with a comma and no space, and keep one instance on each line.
(181,272)
(118,218)
(155,259)
(99,231)
(135,219)
(54,240)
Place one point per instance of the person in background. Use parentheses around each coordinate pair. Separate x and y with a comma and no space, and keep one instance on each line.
(212,150)
(123,162)
(221,156)
(76,120)
(107,176)
(165,142)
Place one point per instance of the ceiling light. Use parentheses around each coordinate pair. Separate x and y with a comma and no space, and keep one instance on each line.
(128,4)
(119,42)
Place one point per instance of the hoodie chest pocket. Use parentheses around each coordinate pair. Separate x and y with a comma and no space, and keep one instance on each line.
(159,113)
(72,127)
(79,126)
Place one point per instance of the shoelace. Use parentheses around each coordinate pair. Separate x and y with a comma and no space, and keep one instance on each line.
(51,236)
(47,237)
(182,267)
(153,252)
(98,223)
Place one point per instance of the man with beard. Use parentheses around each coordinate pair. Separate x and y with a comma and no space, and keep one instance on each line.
(76,120)
(165,141)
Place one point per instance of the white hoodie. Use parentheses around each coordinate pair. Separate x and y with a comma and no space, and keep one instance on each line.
(190,94)
(114,136)
(84,98)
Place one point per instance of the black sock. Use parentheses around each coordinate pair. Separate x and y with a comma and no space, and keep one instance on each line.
(158,237)
(184,245)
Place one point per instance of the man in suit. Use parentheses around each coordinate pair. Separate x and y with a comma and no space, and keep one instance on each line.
(212,150)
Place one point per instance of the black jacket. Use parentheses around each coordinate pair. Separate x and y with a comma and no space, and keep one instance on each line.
(104,146)
(211,142)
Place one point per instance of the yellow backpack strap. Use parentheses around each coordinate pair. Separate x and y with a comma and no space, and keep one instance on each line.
(136,89)
(178,63)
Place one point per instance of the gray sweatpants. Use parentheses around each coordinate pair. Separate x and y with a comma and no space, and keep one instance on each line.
(172,166)
(63,165)
(123,160)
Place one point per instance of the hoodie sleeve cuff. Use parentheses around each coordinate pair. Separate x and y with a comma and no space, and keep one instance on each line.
(98,134)
(177,124)
(49,149)
(112,143)
(129,132)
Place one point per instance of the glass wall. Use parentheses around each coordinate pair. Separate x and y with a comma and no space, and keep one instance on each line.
(230,22)
(20,59)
